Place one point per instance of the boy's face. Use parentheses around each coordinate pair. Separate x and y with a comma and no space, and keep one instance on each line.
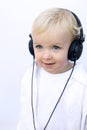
(51,50)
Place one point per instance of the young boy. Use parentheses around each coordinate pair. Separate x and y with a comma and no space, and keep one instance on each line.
(54,90)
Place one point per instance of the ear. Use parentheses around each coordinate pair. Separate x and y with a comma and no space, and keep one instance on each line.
(30,46)
(75,50)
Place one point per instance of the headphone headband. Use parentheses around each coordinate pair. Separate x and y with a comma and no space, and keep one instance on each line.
(82,37)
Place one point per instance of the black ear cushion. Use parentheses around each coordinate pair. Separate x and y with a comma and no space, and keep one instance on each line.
(30,46)
(75,50)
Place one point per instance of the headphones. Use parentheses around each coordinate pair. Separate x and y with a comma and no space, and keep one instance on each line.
(76,47)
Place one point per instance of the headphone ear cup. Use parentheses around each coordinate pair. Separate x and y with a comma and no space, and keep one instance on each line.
(30,46)
(75,50)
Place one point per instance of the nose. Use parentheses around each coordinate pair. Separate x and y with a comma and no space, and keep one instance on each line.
(47,54)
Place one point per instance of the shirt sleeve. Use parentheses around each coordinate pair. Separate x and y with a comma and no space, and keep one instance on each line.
(25,117)
(84,112)
(22,116)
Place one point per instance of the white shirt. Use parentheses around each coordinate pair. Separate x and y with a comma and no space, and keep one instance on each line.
(50,87)
(71,112)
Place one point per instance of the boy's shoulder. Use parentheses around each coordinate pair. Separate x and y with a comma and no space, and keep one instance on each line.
(80,73)
(27,73)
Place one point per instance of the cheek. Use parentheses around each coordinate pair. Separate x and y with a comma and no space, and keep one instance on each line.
(62,58)
(37,56)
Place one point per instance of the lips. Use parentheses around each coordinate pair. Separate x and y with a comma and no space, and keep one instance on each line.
(48,63)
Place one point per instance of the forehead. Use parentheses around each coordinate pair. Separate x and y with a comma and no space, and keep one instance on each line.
(56,35)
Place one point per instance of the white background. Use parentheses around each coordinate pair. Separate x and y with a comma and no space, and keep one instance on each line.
(16,17)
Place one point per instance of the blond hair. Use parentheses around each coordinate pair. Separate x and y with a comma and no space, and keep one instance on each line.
(54,18)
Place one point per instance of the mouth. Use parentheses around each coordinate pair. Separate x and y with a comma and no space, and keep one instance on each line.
(49,64)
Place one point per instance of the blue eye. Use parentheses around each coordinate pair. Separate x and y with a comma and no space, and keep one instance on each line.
(38,46)
(56,47)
